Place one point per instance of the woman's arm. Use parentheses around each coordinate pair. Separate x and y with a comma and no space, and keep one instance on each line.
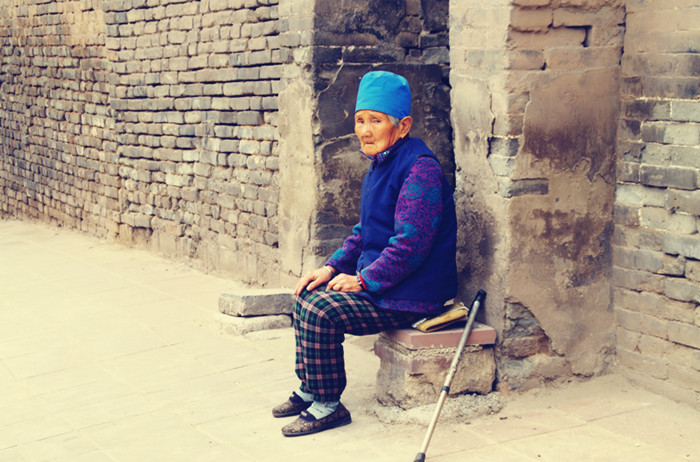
(416,222)
(344,260)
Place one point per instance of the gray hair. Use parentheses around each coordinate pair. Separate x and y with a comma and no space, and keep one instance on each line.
(395,120)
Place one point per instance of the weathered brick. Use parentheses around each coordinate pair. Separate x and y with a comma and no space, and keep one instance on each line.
(663,307)
(570,58)
(646,109)
(627,299)
(685,111)
(687,134)
(531,19)
(634,194)
(685,334)
(646,366)
(684,201)
(684,376)
(660,218)
(638,280)
(671,177)
(626,215)
(687,246)
(692,270)
(563,37)
(673,265)
(683,290)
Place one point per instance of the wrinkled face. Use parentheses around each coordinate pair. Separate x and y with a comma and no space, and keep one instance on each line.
(376,131)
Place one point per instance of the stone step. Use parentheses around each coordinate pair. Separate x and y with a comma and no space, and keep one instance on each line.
(414,364)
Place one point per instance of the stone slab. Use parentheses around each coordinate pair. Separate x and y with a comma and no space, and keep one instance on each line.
(256,302)
(237,325)
(481,334)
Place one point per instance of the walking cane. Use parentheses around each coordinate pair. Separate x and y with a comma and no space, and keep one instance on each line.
(478,300)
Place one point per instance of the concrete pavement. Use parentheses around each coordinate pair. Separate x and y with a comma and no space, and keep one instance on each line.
(113,354)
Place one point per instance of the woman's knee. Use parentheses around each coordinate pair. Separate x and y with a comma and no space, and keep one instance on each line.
(315,307)
(305,301)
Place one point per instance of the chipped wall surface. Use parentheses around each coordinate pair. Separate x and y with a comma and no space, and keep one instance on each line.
(478,54)
(561,253)
(535,105)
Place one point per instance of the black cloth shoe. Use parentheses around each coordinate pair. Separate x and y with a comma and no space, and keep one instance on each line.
(293,406)
(307,423)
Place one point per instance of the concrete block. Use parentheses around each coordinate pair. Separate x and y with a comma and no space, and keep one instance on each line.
(257,302)
(241,326)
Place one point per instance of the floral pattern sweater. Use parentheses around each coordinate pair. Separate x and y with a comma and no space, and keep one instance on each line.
(418,208)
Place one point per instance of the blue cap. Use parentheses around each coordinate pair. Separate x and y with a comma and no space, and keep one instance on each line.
(384,92)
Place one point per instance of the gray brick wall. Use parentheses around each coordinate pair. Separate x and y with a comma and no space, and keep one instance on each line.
(196,114)
(657,201)
(151,121)
(56,130)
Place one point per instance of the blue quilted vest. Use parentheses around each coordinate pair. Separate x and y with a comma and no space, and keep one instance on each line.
(436,279)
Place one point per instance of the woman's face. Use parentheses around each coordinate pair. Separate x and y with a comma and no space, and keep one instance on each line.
(376,131)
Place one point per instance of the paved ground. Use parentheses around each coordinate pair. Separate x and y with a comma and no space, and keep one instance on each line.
(113,354)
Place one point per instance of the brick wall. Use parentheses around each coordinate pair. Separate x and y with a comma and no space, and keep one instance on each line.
(56,129)
(195,103)
(154,121)
(657,202)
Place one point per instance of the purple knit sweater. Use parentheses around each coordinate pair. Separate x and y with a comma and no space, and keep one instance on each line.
(418,207)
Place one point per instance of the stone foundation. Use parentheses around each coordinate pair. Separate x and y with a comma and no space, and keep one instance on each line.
(414,365)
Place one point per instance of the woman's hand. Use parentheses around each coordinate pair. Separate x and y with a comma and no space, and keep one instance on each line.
(319,276)
(313,279)
(344,283)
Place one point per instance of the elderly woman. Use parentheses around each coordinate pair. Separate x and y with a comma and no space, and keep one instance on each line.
(397,266)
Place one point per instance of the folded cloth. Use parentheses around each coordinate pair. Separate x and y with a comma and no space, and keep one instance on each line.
(457,312)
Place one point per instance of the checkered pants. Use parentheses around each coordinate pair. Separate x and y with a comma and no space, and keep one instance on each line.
(321,320)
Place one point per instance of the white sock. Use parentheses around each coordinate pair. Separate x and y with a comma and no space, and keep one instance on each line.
(308,397)
(321,410)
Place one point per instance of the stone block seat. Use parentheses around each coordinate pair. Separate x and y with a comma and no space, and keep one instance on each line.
(414,364)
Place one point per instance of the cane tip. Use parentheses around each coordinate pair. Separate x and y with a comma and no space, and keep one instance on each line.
(420,457)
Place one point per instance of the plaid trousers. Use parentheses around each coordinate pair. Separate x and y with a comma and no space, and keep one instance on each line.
(321,320)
